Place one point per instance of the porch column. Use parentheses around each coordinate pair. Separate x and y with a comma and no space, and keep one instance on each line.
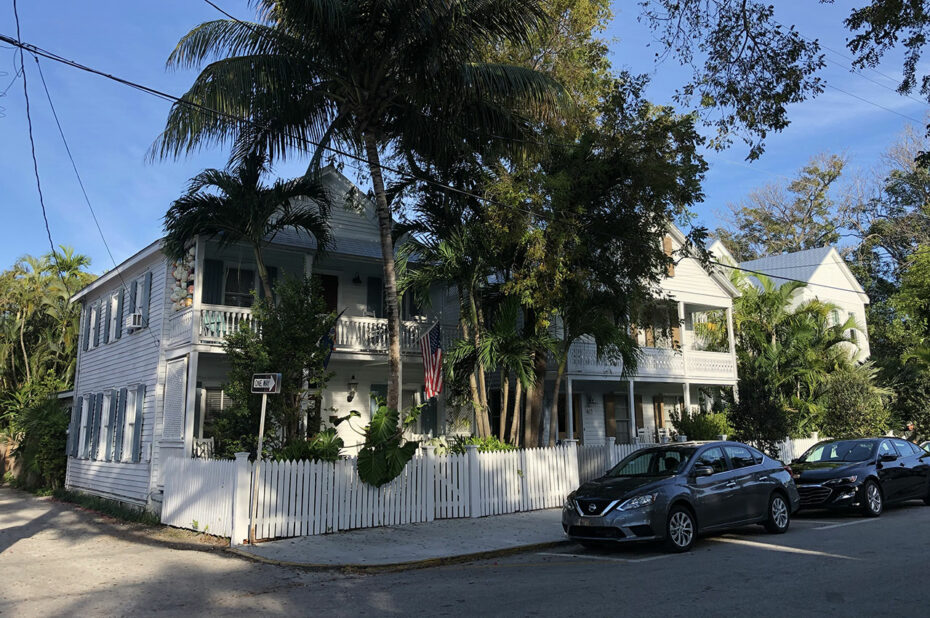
(687,389)
(199,259)
(569,414)
(631,406)
(681,336)
(730,334)
(191,402)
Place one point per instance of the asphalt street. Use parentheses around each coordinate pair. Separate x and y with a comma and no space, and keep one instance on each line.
(55,560)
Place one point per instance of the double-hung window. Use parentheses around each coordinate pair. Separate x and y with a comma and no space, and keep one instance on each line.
(129,424)
(94,338)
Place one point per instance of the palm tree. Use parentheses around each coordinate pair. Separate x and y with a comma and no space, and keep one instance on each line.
(401,77)
(244,209)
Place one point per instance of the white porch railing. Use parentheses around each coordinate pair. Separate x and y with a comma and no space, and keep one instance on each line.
(582,358)
(218,321)
(710,365)
(180,327)
(660,362)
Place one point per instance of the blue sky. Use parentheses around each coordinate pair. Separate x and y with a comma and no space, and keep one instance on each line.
(110,127)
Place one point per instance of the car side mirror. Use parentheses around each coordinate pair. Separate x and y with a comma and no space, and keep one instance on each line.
(887,457)
(700,471)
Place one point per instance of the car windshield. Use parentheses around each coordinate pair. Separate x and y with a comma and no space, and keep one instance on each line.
(654,462)
(843,450)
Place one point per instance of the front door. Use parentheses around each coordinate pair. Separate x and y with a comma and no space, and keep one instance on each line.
(617,418)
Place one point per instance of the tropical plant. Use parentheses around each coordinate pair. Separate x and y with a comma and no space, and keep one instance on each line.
(242,209)
(385,452)
(702,425)
(407,76)
(855,406)
(456,445)
(40,433)
(323,446)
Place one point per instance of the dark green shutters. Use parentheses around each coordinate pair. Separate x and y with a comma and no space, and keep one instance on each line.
(136,454)
(146,298)
(119,314)
(120,423)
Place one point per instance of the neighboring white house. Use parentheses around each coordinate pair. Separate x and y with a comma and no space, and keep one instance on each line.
(598,401)
(828,279)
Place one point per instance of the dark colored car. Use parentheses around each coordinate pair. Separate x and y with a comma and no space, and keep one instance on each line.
(676,491)
(865,473)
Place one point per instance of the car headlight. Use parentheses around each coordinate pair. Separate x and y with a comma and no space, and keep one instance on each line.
(569,502)
(843,481)
(637,502)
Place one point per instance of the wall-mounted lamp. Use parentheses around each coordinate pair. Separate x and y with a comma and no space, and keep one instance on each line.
(353,388)
(357,279)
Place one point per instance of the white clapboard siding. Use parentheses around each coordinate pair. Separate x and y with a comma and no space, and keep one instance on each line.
(199,495)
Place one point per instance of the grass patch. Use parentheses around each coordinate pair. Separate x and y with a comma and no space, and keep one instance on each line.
(107,507)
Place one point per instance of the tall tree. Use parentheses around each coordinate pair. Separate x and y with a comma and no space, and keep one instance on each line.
(234,206)
(787,217)
(376,77)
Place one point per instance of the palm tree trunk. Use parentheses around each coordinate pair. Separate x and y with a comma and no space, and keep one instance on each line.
(505,400)
(554,413)
(385,224)
(263,272)
(22,345)
(482,391)
(515,423)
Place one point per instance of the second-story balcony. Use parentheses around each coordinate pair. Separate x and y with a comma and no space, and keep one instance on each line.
(656,364)
(353,333)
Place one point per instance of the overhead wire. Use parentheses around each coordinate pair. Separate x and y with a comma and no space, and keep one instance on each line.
(402,173)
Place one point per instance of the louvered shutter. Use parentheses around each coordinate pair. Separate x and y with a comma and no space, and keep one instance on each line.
(120,423)
(98,418)
(85,428)
(95,314)
(146,298)
(375,298)
(74,429)
(108,314)
(668,249)
(119,314)
(86,337)
(111,426)
(137,427)
(132,297)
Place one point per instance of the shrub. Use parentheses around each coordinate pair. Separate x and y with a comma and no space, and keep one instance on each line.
(457,444)
(41,432)
(855,405)
(385,452)
(702,426)
(324,446)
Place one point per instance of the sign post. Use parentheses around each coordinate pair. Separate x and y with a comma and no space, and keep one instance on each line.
(266,384)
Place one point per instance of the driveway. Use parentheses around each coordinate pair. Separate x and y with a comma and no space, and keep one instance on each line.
(56,561)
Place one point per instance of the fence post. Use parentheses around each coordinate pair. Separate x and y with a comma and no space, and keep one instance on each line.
(429,474)
(474,480)
(241,489)
(574,476)
(611,452)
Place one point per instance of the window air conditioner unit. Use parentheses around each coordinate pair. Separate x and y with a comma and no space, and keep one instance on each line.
(134,320)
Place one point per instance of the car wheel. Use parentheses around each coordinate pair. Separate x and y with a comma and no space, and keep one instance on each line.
(680,530)
(873,503)
(779,515)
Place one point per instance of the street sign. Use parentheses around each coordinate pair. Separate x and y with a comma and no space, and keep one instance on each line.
(266,383)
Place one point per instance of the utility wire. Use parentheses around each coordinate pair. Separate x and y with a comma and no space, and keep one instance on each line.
(171,98)
(35,161)
(77,174)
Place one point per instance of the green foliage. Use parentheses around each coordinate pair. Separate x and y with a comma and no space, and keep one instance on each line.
(385,452)
(702,426)
(107,507)
(787,217)
(41,433)
(286,337)
(324,446)
(456,444)
(855,406)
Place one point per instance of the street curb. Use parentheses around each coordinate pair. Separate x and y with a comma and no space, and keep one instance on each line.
(399,566)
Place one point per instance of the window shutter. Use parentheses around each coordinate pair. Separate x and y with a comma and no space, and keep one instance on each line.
(119,314)
(668,249)
(137,426)
(132,297)
(146,298)
(120,424)
(111,426)
(87,425)
(375,298)
(98,417)
(74,428)
(87,313)
(95,314)
(106,320)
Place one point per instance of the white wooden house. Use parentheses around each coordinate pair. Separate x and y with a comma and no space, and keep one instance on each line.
(151,365)
(828,279)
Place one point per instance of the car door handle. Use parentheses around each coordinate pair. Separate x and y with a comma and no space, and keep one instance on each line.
(731,484)
(764,477)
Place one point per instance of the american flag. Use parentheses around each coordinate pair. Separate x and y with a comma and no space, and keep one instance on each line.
(432,361)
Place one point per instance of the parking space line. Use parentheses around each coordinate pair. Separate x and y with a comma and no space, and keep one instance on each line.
(848,523)
(605,558)
(781,548)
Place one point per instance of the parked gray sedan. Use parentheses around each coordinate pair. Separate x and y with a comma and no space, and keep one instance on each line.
(675,491)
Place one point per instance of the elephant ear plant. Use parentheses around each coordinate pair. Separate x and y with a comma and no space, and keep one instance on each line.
(385,452)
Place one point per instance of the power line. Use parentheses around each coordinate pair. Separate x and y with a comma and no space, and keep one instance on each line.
(77,174)
(879,105)
(163,95)
(35,161)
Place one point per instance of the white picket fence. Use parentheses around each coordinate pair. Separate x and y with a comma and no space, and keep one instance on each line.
(299,498)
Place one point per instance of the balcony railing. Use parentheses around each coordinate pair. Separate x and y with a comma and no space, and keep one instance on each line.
(657,363)
(353,334)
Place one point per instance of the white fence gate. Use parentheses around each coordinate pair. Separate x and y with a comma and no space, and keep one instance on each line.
(199,494)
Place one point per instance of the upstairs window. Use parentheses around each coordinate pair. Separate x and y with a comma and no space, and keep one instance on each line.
(239,285)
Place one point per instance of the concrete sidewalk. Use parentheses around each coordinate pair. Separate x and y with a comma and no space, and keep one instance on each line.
(413,545)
